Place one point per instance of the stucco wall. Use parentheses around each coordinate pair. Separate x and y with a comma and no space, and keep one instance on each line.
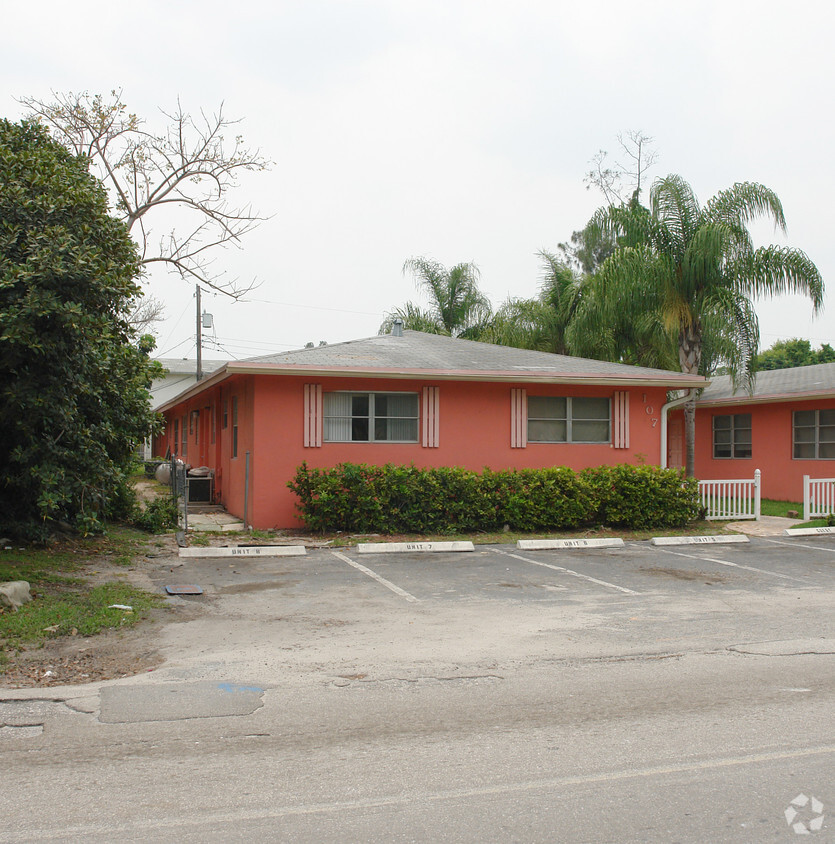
(475,422)
(771,449)
(475,431)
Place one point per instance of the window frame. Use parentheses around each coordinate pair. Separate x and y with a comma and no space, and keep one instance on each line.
(733,428)
(570,420)
(372,416)
(817,433)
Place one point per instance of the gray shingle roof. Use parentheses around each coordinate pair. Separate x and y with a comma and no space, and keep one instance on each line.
(775,385)
(416,351)
(433,356)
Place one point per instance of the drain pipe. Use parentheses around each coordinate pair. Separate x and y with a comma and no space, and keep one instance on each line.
(664,408)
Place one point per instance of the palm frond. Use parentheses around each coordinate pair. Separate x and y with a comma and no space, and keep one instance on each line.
(674,207)
(745,202)
(775,270)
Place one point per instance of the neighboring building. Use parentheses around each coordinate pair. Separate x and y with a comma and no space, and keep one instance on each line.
(785,428)
(409,397)
(180,373)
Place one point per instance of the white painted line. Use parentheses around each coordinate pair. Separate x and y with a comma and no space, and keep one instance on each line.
(567,571)
(808,531)
(549,544)
(796,544)
(730,539)
(733,565)
(409,547)
(387,583)
(246,551)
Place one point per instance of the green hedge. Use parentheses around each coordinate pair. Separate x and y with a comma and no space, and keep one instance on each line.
(359,498)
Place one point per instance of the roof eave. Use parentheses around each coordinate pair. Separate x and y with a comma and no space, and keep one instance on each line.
(673,380)
(769,398)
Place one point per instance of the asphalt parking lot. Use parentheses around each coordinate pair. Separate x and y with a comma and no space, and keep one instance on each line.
(499,573)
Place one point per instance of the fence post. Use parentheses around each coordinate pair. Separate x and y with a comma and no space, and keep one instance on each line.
(807,504)
(757,493)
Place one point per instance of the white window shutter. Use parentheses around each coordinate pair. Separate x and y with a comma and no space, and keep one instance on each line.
(312,415)
(518,419)
(620,423)
(430,417)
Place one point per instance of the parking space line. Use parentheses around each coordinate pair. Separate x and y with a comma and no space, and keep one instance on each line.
(795,544)
(387,583)
(733,565)
(567,571)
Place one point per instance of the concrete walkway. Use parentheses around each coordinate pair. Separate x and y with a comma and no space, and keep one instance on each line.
(764,526)
(203,517)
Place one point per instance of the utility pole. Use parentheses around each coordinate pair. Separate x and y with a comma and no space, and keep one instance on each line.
(199,337)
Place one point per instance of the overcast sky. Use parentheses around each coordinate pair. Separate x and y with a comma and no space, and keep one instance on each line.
(454,130)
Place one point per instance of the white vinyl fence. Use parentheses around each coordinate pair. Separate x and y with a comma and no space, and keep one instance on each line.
(732,499)
(818,497)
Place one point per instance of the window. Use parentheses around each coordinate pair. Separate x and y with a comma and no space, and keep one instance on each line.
(194,422)
(176,435)
(371,417)
(563,419)
(814,434)
(225,415)
(234,426)
(732,436)
(214,422)
(184,432)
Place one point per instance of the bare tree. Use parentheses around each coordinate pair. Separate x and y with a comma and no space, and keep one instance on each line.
(621,181)
(190,168)
(146,311)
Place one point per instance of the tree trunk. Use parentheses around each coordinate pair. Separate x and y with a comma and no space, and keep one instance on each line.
(690,357)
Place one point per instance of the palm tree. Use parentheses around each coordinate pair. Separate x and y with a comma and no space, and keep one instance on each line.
(694,270)
(457,307)
(540,323)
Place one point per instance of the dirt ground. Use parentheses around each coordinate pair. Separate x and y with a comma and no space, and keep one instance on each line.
(105,656)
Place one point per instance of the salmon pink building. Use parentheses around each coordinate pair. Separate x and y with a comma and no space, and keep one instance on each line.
(409,397)
(785,428)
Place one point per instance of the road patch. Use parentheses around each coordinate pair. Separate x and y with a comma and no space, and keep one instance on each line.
(177,702)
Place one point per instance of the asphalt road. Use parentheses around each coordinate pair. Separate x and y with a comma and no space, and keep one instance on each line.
(634,694)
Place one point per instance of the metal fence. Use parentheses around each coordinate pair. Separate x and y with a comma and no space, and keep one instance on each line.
(731,499)
(818,497)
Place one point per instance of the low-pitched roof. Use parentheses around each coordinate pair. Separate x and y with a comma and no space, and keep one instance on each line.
(774,385)
(188,366)
(415,354)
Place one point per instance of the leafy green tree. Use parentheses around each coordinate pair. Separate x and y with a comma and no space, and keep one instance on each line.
(785,354)
(696,270)
(73,378)
(457,307)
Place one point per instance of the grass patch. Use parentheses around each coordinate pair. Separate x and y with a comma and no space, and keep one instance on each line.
(64,603)
(772,507)
(85,611)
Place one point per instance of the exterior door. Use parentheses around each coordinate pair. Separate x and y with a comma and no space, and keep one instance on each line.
(675,444)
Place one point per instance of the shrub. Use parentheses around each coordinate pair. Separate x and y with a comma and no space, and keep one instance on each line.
(360,498)
(642,496)
(160,515)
